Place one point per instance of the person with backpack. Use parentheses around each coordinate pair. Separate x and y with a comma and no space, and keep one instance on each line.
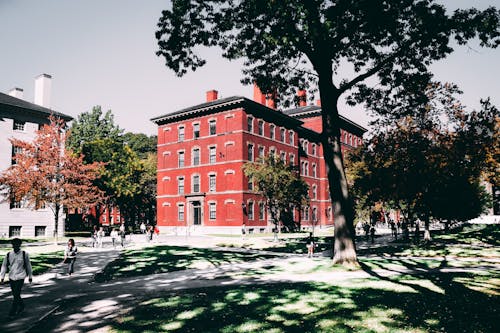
(70,255)
(17,263)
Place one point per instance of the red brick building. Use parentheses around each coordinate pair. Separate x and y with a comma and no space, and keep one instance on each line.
(201,151)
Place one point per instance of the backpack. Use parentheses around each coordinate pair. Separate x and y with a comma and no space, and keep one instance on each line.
(24,260)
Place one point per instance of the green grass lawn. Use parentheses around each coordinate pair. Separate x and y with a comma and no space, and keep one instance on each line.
(162,259)
(42,262)
(439,303)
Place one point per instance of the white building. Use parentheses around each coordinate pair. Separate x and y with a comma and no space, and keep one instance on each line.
(21,119)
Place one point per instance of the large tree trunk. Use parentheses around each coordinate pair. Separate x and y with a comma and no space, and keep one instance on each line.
(57,209)
(344,249)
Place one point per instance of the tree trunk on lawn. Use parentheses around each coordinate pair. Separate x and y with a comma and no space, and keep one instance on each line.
(57,209)
(344,249)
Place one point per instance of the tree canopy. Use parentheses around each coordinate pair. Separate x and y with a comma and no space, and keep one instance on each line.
(311,44)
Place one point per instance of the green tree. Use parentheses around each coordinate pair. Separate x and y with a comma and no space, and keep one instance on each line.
(281,186)
(141,144)
(310,43)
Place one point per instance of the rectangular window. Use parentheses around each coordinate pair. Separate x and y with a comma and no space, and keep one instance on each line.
(250,183)
(180,134)
(272,132)
(292,160)
(250,210)
(196,184)
(250,152)
(282,135)
(180,212)
(212,127)
(212,155)
(196,131)
(262,210)
(196,156)
(261,154)
(15,204)
(314,172)
(180,185)
(19,125)
(283,157)
(290,134)
(211,183)
(212,211)
(14,231)
(313,148)
(261,127)
(250,124)
(181,157)
(40,231)
(15,151)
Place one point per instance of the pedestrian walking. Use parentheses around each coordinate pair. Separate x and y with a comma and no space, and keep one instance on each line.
(143,228)
(70,255)
(243,230)
(122,236)
(114,237)
(93,236)
(100,237)
(157,233)
(17,263)
(372,233)
(310,245)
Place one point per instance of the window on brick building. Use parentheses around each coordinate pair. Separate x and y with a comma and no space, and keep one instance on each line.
(250,208)
(212,124)
(272,152)
(180,134)
(250,124)
(180,212)
(180,185)
(181,159)
(314,171)
(272,133)
(196,156)
(314,192)
(262,210)
(292,159)
(211,183)
(212,155)
(261,127)
(282,135)
(313,148)
(196,130)
(305,213)
(196,183)
(261,154)
(212,210)
(315,214)
(283,156)
(250,152)
(290,134)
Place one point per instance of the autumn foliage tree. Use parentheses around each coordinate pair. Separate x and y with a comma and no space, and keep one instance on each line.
(362,51)
(45,173)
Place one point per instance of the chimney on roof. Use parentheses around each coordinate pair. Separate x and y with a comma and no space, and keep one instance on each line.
(318,102)
(16,92)
(271,100)
(212,95)
(302,97)
(258,96)
(43,84)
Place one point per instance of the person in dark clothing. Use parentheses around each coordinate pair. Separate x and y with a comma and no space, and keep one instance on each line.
(70,255)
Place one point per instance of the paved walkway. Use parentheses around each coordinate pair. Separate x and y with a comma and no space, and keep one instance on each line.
(57,303)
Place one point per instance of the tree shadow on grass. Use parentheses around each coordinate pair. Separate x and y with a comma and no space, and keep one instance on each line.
(162,259)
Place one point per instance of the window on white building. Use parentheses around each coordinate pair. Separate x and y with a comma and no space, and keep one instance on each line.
(19,125)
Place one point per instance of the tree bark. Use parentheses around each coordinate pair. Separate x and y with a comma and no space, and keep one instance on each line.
(57,209)
(344,249)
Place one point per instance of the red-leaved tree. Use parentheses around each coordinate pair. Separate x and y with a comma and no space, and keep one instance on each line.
(44,173)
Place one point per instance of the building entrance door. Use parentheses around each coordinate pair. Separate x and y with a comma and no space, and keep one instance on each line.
(196,213)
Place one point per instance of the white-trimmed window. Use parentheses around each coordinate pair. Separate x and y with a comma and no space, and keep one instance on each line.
(180,212)
(260,127)
(283,156)
(291,158)
(212,125)
(282,135)
(212,210)
(250,183)
(196,130)
(212,183)
(181,159)
(305,213)
(261,153)
(181,133)
(250,124)
(291,137)
(314,170)
(314,192)
(250,210)
(262,211)
(180,185)
(272,152)
(196,183)
(196,156)
(272,132)
(250,152)
(315,214)
(212,155)
(313,148)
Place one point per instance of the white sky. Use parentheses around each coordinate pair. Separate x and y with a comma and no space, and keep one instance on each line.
(103,53)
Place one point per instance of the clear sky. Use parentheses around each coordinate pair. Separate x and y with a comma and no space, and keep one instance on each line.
(102,52)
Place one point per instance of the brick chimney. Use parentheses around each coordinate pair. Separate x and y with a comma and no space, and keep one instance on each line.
(16,92)
(212,95)
(302,96)
(43,83)
(258,96)
(271,100)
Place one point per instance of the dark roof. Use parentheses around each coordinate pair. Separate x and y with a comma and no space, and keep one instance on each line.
(10,103)
(228,103)
(310,111)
